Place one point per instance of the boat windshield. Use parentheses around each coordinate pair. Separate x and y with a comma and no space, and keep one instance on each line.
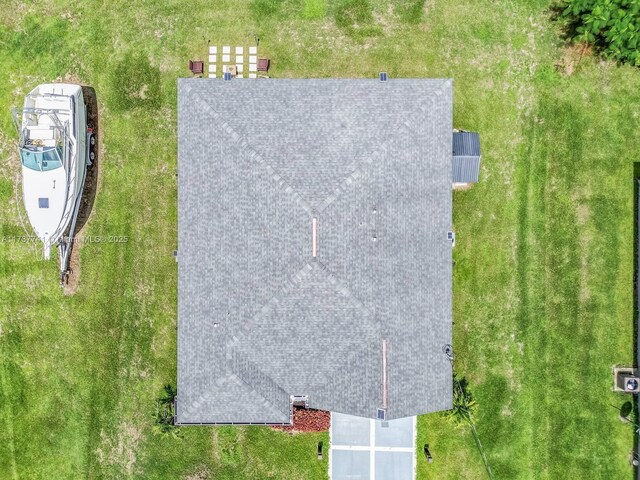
(41,159)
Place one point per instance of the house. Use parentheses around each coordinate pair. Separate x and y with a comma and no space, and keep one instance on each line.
(314,264)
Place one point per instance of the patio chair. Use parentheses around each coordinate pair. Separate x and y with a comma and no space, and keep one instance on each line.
(196,66)
(263,64)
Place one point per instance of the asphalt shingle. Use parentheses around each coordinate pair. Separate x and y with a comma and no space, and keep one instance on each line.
(259,318)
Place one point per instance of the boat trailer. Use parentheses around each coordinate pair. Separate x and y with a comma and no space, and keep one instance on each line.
(65,244)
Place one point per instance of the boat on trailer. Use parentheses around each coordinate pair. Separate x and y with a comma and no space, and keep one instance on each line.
(56,147)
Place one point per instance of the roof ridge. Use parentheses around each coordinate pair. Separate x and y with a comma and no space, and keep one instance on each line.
(296,279)
(356,356)
(342,287)
(254,156)
(258,381)
(293,281)
(362,171)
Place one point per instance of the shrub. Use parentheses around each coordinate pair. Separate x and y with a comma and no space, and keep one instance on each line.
(464,407)
(164,413)
(612,26)
(464,404)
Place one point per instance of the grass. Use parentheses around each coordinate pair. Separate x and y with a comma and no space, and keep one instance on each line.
(315,9)
(544,259)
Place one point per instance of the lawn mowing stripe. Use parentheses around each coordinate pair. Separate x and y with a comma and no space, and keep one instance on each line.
(8,419)
(114,324)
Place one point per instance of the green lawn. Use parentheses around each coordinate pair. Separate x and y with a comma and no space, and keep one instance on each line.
(543,299)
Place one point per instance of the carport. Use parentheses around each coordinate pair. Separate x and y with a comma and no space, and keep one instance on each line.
(368,449)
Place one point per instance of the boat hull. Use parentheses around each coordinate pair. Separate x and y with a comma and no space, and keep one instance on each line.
(51,196)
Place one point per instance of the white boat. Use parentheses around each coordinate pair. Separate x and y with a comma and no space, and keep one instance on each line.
(56,147)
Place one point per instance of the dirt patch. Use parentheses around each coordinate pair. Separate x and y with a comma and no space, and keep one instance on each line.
(201,473)
(308,420)
(71,284)
(13,13)
(573,54)
(142,94)
(70,78)
(121,453)
(583,214)
(585,291)
(388,20)
(215,443)
(90,188)
(11,166)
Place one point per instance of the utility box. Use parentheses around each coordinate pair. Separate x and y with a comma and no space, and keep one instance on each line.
(626,380)
(628,383)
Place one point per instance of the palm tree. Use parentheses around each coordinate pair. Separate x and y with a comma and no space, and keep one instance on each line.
(463,403)
(164,413)
(169,394)
(463,409)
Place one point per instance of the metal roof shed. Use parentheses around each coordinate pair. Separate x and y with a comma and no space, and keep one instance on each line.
(466,157)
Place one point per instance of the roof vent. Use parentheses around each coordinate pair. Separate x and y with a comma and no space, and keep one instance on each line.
(227,76)
(383,76)
(300,401)
(451,236)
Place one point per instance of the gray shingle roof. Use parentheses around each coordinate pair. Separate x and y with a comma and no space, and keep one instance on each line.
(466,157)
(259,318)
